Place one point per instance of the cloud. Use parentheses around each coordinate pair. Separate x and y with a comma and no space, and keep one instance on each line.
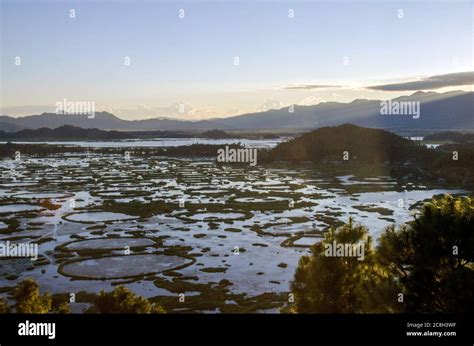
(428,83)
(310,86)
(270,104)
(182,111)
(311,100)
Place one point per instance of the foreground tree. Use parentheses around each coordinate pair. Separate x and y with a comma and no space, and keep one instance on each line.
(343,284)
(433,257)
(426,266)
(4,308)
(122,300)
(29,300)
(60,305)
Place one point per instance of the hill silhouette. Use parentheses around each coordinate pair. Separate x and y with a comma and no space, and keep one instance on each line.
(65,132)
(405,157)
(361,144)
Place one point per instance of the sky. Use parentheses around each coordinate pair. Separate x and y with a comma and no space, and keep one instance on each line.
(202,59)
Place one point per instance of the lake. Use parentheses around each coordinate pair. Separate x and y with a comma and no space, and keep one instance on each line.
(226,236)
(163,142)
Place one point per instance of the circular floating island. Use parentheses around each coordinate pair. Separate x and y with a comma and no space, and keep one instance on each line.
(267,199)
(113,193)
(122,267)
(302,240)
(44,195)
(108,243)
(98,216)
(217,216)
(208,192)
(19,208)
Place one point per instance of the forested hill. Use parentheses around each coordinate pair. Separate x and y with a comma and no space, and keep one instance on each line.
(357,143)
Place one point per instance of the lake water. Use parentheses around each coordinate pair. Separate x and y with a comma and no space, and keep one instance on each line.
(174,142)
(164,226)
(163,142)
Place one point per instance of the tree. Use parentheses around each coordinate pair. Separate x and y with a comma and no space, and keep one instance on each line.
(343,284)
(63,308)
(433,257)
(122,300)
(29,300)
(4,308)
(60,304)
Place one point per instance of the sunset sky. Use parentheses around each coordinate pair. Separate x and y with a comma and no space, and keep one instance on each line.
(329,51)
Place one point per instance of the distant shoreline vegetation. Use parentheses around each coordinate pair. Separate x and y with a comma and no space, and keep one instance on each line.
(341,145)
(75,133)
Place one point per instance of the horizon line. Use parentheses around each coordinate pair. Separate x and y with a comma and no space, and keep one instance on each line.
(231,116)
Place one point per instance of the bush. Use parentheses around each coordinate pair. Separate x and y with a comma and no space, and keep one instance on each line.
(122,300)
(4,308)
(29,300)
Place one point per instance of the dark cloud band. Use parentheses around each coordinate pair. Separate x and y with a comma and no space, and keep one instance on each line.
(428,83)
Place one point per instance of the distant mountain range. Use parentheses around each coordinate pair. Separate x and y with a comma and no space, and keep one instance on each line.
(438,111)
